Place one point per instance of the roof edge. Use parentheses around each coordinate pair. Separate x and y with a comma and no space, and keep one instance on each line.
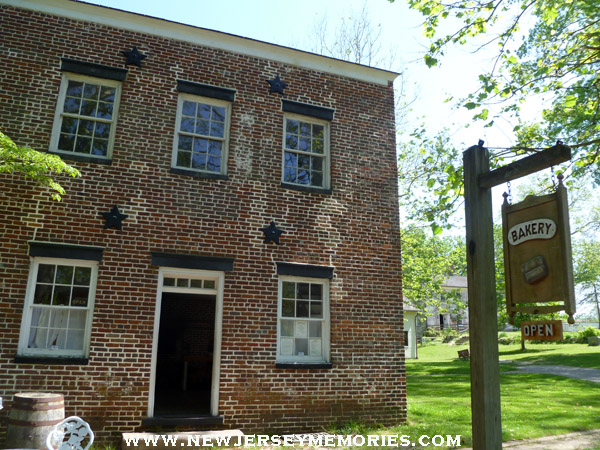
(79,10)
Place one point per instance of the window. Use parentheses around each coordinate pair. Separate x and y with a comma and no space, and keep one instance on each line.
(406,338)
(303,324)
(58,308)
(306,152)
(86,114)
(201,140)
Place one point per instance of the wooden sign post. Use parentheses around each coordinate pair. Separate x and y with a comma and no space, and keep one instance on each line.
(483,326)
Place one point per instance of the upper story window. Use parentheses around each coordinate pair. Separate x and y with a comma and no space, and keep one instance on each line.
(306,147)
(86,113)
(200,147)
(202,134)
(58,308)
(306,152)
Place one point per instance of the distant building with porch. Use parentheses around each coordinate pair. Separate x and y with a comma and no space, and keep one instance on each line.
(445,317)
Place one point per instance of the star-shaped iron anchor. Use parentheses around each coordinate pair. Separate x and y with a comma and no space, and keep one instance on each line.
(277,85)
(114,218)
(272,233)
(133,57)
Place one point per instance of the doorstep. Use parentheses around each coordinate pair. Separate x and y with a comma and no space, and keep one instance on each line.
(174,439)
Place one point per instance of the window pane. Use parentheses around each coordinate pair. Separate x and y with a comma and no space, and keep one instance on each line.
(301,347)
(45,273)
(200,145)
(214,147)
(82,276)
(189,108)
(303,162)
(100,147)
(289,290)
(185,143)
(318,131)
(69,125)
(88,108)
(182,282)
(184,159)
(291,142)
(77,319)
(187,124)
(316,309)
(316,179)
(86,128)
(291,126)
(203,111)
(315,347)
(316,163)
(75,88)
(199,161)
(289,175)
(305,129)
(316,291)
(62,296)
(304,144)
(213,164)
(196,283)
(302,309)
(291,159)
(314,329)
(74,340)
(80,296)
(287,327)
(107,94)
(209,284)
(105,110)
(302,290)
(287,346)
(287,308)
(64,274)
(66,142)
(217,129)
(91,91)
(303,177)
(168,281)
(202,127)
(318,146)
(102,130)
(218,113)
(72,105)
(83,145)
(43,293)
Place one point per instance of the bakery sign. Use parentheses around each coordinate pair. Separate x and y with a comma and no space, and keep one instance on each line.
(538,264)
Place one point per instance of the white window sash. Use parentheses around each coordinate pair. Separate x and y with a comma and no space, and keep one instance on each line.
(325,323)
(225,139)
(30,315)
(60,114)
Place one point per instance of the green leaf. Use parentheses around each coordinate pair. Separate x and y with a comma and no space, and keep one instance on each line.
(430,61)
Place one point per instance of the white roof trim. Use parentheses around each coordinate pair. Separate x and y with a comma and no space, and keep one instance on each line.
(150,25)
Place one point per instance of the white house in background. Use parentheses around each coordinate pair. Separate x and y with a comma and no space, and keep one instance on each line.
(443,319)
(410,330)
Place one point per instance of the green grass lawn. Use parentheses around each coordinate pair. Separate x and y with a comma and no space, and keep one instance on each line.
(533,405)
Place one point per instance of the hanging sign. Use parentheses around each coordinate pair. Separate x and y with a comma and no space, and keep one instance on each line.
(543,330)
(538,263)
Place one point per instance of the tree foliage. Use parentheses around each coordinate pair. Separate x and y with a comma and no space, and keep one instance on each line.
(546,51)
(426,262)
(586,272)
(34,165)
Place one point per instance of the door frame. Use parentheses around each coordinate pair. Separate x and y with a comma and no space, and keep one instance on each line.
(219,278)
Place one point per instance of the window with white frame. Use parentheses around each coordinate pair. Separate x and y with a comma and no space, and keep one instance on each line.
(303,322)
(306,152)
(58,308)
(202,135)
(86,116)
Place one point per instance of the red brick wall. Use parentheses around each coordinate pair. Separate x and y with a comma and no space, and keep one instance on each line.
(354,229)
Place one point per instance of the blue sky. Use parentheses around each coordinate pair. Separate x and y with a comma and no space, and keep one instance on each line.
(291,24)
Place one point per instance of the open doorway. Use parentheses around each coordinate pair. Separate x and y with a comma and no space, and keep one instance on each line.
(185,350)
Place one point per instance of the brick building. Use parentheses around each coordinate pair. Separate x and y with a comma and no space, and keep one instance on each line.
(155,292)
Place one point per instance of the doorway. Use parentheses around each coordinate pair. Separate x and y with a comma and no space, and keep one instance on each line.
(186,347)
